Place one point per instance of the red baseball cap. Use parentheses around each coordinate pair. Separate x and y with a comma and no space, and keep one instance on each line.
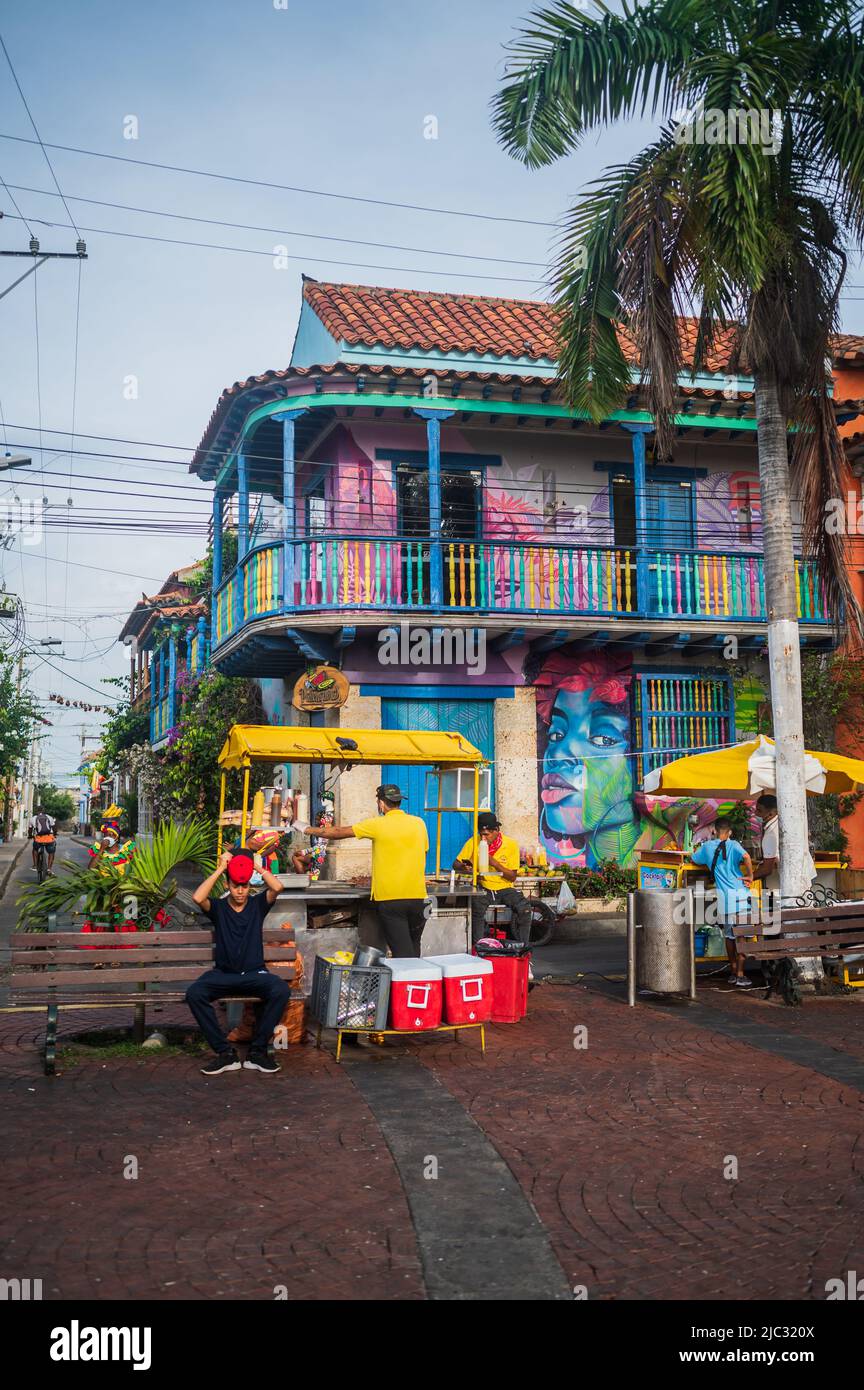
(241,868)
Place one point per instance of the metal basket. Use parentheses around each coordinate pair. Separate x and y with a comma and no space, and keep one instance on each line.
(349,996)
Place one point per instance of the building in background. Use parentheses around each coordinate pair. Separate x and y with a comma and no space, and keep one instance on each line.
(418,506)
(848,371)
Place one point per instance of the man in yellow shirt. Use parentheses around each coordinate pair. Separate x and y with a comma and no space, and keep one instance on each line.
(399,845)
(497,882)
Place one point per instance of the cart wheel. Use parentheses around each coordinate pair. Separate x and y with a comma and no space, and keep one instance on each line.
(543,919)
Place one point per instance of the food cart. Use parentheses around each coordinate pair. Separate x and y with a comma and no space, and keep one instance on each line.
(334,915)
(739,773)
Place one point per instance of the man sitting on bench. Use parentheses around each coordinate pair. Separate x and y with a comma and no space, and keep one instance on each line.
(239,963)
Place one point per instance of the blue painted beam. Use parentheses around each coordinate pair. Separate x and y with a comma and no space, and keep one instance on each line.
(243,505)
(638,433)
(218,502)
(550,640)
(172,677)
(345,637)
(514,638)
(313,645)
(633,639)
(433,420)
(289,504)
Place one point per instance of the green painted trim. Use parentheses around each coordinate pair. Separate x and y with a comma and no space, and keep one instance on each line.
(490,407)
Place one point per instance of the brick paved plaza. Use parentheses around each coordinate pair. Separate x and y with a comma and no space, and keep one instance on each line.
(558,1167)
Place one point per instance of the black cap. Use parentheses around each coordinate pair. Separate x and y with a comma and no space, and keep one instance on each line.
(390,792)
(487,820)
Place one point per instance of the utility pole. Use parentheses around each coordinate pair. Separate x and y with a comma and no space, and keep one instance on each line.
(40,257)
(10,780)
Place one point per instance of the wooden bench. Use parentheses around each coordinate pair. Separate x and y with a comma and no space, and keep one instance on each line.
(59,968)
(827,929)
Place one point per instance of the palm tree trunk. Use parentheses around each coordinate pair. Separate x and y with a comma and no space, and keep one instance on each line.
(784,650)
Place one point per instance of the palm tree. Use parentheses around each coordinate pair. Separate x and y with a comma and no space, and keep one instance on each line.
(748,233)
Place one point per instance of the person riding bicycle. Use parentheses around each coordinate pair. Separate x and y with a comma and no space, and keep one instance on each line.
(42,831)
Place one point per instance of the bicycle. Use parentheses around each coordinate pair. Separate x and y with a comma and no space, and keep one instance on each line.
(41,863)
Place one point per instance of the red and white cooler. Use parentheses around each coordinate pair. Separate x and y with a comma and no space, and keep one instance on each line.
(468,984)
(416,993)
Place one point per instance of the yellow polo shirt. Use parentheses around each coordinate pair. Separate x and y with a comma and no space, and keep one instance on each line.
(399,845)
(508,855)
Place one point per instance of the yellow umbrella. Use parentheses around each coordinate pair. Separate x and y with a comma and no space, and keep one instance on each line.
(746,769)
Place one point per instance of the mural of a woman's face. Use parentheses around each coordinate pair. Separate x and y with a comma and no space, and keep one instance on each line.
(587,743)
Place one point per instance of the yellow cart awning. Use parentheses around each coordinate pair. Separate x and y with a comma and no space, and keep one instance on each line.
(276,743)
(747,769)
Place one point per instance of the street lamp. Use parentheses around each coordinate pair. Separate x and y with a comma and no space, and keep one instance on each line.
(14,461)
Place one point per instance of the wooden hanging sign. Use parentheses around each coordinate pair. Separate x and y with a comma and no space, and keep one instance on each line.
(323,688)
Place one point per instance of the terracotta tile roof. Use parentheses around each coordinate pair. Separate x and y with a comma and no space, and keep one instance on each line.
(848,347)
(176,603)
(371,316)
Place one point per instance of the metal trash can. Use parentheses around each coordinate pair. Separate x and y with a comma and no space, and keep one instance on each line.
(660,947)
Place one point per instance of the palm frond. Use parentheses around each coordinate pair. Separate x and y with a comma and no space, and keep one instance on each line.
(74,885)
(572,70)
(191,841)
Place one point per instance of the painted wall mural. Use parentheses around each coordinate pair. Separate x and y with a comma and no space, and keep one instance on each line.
(591,808)
(587,784)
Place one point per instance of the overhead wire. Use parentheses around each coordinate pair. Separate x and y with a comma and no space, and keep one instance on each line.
(286,256)
(39,139)
(282,231)
(285,187)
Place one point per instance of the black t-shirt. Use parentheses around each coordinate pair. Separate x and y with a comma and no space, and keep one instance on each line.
(237,935)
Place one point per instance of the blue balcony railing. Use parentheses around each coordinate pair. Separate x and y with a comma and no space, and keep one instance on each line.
(518,578)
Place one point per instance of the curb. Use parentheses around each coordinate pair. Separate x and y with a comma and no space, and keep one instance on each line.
(11,867)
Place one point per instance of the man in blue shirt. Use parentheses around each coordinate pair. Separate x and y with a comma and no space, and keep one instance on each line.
(237,920)
(732,871)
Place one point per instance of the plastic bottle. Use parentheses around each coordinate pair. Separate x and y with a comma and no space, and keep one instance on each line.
(276,809)
(483,857)
(258,808)
(540,857)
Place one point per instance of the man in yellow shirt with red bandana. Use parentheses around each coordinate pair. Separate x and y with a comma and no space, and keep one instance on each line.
(399,846)
(497,882)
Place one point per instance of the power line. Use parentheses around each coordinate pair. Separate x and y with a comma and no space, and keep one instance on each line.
(16,207)
(38,136)
(284,256)
(99,569)
(280,231)
(283,187)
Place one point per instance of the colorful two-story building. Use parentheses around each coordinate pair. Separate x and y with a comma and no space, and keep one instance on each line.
(431,517)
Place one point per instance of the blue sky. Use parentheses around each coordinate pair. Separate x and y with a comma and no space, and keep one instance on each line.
(329,97)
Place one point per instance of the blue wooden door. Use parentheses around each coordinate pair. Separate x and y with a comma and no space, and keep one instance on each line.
(473,719)
(669,530)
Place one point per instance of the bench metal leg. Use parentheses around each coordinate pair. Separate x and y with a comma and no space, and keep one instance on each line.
(139,1025)
(51,1039)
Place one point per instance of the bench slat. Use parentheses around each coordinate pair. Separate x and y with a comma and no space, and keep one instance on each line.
(828,911)
(136,955)
(824,941)
(123,1001)
(48,982)
(763,953)
(161,940)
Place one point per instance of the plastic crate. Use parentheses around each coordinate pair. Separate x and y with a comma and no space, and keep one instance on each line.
(349,996)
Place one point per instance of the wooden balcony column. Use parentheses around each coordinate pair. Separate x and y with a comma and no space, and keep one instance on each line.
(433,420)
(289,504)
(218,509)
(639,431)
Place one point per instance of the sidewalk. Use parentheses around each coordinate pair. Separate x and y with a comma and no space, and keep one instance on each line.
(10,853)
(424,1171)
